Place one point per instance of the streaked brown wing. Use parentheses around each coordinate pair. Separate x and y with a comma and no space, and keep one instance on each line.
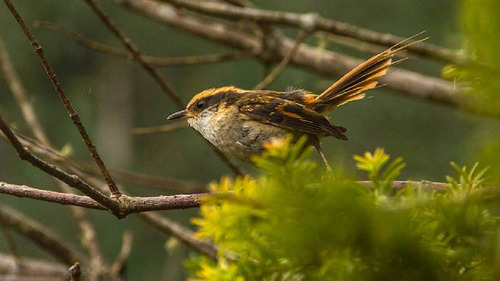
(289,115)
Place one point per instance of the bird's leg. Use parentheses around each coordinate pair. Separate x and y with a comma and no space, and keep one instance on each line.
(318,148)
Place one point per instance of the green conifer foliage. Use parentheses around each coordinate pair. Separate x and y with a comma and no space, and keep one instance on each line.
(295,224)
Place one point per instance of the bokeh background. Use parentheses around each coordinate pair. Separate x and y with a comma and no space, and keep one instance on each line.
(113,95)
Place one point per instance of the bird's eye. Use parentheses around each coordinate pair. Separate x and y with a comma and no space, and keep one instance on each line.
(200,104)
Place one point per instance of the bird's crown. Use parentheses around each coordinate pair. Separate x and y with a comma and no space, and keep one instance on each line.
(213,96)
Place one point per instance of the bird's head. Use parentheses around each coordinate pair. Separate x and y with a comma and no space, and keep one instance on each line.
(205,104)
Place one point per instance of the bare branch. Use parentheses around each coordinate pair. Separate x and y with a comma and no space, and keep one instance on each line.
(214,31)
(130,204)
(17,89)
(67,104)
(183,234)
(317,23)
(24,191)
(120,265)
(88,237)
(426,185)
(32,269)
(42,236)
(156,61)
(11,244)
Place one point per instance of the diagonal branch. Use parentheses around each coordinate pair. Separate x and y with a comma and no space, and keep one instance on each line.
(183,234)
(44,237)
(120,265)
(19,92)
(11,244)
(67,104)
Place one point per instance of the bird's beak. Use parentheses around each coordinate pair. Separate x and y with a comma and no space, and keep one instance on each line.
(179,114)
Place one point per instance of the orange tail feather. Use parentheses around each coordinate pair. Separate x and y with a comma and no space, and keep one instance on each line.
(351,86)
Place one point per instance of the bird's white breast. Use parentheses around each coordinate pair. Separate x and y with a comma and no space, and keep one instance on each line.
(234,134)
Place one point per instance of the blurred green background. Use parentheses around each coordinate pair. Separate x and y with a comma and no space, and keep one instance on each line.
(113,95)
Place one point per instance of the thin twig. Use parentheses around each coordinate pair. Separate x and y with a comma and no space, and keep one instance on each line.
(284,62)
(156,61)
(67,104)
(41,235)
(154,73)
(167,128)
(183,234)
(89,240)
(17,89)
(33,268)
(120,265)
(12,245)
(319,23)
(426,185)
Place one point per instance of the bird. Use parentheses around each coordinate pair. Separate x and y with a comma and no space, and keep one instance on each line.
(240,122)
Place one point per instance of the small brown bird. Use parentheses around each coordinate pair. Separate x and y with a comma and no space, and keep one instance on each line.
(238,122)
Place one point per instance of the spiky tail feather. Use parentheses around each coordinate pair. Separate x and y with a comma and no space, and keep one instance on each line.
(351,86)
